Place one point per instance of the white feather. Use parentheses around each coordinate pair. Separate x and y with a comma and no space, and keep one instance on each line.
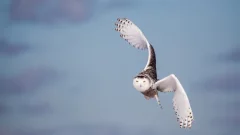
(181,103)
(131,33)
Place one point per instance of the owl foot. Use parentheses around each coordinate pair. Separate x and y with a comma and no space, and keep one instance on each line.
(158,101)
(146,97)
(160,104)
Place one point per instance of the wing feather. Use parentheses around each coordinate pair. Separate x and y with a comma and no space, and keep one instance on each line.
(181,102)
(131,33)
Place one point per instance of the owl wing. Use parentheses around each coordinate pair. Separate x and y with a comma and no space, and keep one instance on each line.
(131,33)
(181,103)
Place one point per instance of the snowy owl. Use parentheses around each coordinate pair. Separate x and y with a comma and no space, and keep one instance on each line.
(146,81)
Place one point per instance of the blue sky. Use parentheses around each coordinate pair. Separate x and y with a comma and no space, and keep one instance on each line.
(74,76)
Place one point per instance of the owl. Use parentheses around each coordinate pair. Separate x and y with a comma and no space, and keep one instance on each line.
(146,81)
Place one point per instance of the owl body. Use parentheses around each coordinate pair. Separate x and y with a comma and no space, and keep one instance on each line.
(143,84)
(146,81)
(149,73)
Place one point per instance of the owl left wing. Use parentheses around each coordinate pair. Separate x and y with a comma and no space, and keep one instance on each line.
(131,33)
(181,103)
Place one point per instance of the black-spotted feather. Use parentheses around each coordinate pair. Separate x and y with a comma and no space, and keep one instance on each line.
(181,104)
(131,33)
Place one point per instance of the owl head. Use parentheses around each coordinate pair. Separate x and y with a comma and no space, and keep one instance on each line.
(141,83)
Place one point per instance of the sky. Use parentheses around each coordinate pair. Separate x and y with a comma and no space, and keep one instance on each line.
(66,71)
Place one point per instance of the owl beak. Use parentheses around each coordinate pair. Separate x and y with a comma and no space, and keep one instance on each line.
(140,85)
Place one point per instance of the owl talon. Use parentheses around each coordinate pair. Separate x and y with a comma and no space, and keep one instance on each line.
(160,104)
(158,101)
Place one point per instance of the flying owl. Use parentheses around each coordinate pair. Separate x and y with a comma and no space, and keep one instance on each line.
(146,81)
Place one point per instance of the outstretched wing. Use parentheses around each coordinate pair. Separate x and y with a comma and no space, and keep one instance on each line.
(181,103)
(131,33)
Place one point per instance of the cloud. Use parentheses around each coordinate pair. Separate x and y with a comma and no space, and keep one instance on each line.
(229,123)
(113,4)
(81,129)
(28,81)
(28,109)
(24,9)
(230,119)
(34,109)
(50,10)
(228,82)
(3,109)
(9,131)
(12,49)
(232,55)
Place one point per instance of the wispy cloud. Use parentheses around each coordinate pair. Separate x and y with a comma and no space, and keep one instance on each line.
(28,81)
(9,131)
(34,109)
(230,121)
(228,82)
(7,48)
(24,9)
(230,124)
(81,129)
(50,10)
(28,109)
(114,4)
(232,55)
(3,109)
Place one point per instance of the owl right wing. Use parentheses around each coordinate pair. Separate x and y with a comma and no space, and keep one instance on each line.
(131,33)
(181,103)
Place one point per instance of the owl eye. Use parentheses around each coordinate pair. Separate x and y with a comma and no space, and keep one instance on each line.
(143,81)
(136,81)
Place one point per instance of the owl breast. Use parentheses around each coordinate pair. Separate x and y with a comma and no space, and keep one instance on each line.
(143,82)
(150,93)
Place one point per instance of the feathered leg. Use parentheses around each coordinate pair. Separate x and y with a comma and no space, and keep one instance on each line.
(158,101)
(146,97)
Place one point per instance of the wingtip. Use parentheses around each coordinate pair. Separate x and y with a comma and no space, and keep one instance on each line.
(121,35)
(123,20)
